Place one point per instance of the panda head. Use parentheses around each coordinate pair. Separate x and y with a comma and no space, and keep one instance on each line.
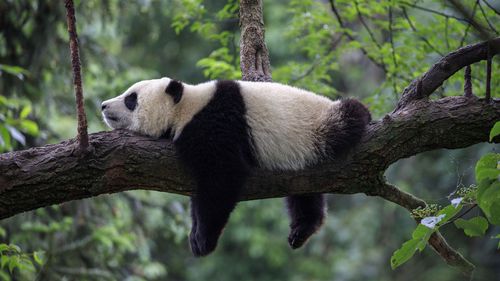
(147,107)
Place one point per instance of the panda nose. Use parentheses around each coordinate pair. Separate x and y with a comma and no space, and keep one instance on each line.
(103,106)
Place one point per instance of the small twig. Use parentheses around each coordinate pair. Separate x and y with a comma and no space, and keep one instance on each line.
(471,22)
(468,83)
(434,11)
(460,216)
(446,33)
(488,72)
(491,7)
(83,139)
(380,64)
(393,51)
(486,18)
(337,15)
(481,31)
(365,25)
(85,272)
(75,245)
(412,26)
(317,61)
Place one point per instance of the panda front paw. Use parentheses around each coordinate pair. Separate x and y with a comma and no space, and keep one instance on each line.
(201,245)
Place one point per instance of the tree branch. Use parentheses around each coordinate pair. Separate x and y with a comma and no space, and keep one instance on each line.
(437,241)
(83,140)
(446,67)
(122,161)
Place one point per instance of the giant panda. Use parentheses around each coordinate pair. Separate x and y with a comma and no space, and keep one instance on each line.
(223,129)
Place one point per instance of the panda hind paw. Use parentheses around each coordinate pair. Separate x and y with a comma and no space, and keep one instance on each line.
(201,245)
(299,234)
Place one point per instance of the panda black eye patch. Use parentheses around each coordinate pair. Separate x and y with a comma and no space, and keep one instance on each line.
(131,101)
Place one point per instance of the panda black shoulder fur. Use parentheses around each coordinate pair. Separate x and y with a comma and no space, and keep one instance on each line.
(223,129)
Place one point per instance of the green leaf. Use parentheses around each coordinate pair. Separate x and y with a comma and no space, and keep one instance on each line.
(4,138)
(29,127)
(494,216)
(18,136)
(4,247)
(476,226)
(13,263)
(14,70)
(422,233)
(420,236)
(15,248)
(488,161)
(4,260)
(25,112)
(495,131)
(488,173)
(488,195)
(450,211)
(404,253)
(37,256)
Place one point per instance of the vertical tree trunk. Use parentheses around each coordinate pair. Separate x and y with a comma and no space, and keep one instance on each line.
(254,57)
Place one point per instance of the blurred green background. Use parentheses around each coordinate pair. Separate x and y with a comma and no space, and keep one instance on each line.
(142,235)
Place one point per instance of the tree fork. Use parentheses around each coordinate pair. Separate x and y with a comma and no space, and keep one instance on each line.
(446,67)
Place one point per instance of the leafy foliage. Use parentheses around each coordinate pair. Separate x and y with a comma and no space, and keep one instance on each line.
(12,258)
(486,195)
(14,123)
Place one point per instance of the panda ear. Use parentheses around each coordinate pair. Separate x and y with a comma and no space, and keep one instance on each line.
(175,89)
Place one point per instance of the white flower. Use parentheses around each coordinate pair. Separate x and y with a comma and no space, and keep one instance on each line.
(431,222)
(456,201)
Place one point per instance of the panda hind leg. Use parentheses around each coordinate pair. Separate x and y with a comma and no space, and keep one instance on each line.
(307,213)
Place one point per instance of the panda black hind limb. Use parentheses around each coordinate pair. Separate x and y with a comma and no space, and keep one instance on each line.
(223,129)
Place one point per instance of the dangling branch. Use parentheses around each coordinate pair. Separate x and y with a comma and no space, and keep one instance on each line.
(468,82)
(488,72)
(83,139)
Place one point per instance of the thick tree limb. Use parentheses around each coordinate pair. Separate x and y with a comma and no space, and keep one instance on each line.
(445,68)
(121,161)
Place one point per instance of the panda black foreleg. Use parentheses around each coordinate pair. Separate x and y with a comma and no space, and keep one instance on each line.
(211,207)
(307,213)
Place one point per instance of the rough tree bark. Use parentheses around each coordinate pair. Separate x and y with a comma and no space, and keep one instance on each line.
(122,161)
(254,59)
(83,138)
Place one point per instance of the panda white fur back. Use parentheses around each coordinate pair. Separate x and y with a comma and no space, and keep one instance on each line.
(285,122)
(223,128)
